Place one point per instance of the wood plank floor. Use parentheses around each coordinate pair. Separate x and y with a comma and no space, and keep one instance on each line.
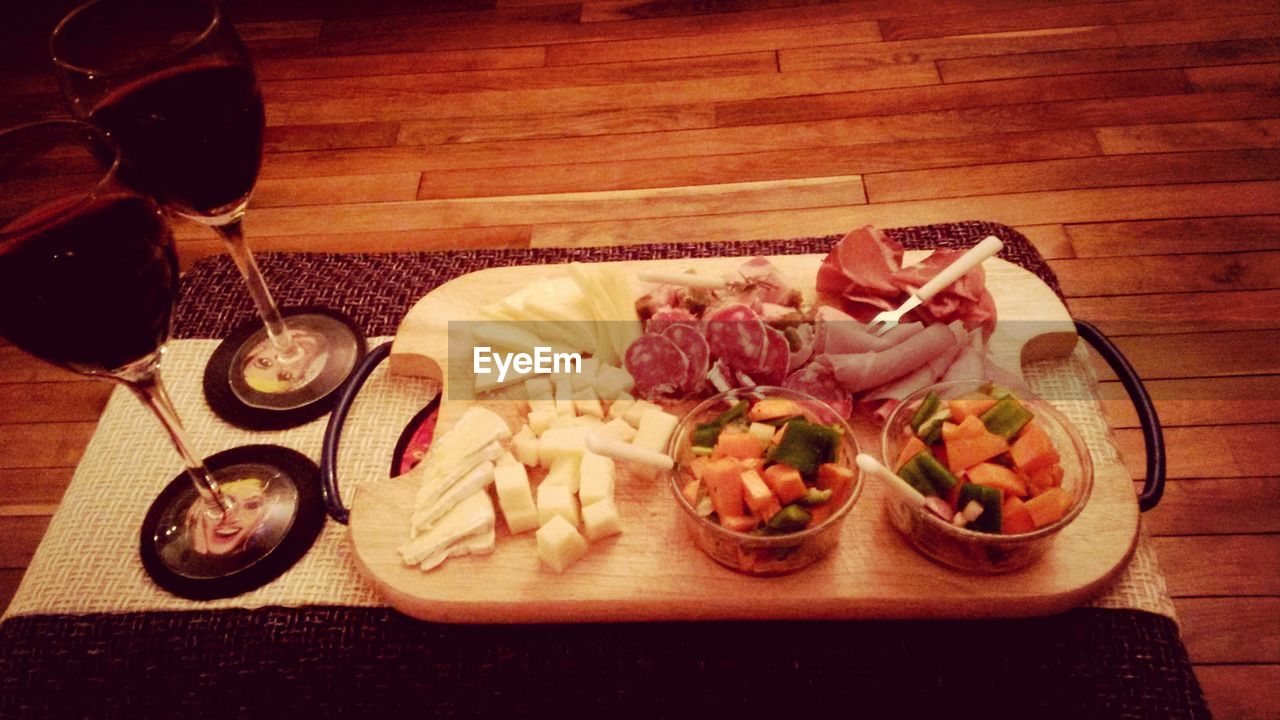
(1136,142)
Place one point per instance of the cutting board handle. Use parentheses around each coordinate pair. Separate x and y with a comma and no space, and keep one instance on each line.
(329,452)
(1152,432)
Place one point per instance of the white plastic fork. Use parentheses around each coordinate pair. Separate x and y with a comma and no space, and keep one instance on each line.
(888,320)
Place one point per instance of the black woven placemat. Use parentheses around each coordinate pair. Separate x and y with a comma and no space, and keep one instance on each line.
(377,289)
(367,662)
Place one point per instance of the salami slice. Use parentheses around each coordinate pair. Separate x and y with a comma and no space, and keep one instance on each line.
(818,380)
(736,334)
(658,366)
(777,355)
(664,319)
(695,348)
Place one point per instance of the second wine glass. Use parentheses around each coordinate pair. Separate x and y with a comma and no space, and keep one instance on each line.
(170,81)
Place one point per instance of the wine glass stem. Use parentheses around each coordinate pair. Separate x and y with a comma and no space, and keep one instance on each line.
(233,235)
(152,394)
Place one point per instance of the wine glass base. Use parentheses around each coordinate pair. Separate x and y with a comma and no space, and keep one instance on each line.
(194,552)
(246,385)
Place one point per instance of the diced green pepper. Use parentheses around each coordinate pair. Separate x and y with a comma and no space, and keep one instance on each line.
(702,449)
(925,465)
(790,519)
(708,433)
(1006,417)
(989,498)
(928,408)
(733,413)
(915,477)
(805,446)
(930,431)
(780,421)
(814,496)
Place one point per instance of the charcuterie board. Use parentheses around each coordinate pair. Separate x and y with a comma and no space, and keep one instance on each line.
(652,571)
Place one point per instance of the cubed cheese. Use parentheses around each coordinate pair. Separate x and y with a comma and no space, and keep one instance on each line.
(587,421)
(596,478)
(585,379)
(525,443)
(637,410)
(564,396)
(586,403)
(600,520)
(655,429)
(541,419)
(515,498)
(613,382)
(560,545)
(506,459)
(619,429)
(560,441)
(564,471)
(620,405)
(564,421)
(556,501)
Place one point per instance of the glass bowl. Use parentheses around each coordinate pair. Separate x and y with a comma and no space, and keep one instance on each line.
(970,550)
(750,553)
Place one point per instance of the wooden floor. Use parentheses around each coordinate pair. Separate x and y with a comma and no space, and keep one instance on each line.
(1136,142)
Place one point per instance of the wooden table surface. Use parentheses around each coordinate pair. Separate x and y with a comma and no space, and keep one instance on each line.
(1134,141)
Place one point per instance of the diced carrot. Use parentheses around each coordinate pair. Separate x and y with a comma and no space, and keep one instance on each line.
(763,503)
(834,477)
(698,464)
(910,450)
(998,476)
(950,431)
(1045,478)
(963,407)
(971,443)
(740,523)
(1049,506)
(773,408)
(1015,518)
(690,491)
(1033,449)
(785,482)
(723,478)
(739,445)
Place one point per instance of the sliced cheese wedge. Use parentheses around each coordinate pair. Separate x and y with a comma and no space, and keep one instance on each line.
(481,543)
(471,517)
(480,477)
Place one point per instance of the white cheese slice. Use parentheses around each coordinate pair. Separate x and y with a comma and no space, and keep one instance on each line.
(480,477)
(556,501)
(473,516)
(445,473)
(481,543)
(654,431)
(600,520)
(560,545)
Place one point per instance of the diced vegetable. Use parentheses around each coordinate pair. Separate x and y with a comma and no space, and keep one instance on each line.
(758,496)
(924,467)
(1044,479)
(971,443)
(969,404)
(998,476)
(913,447)
(915,477)
(814,496)
(773,408)
(1015,518)
(762,432)
(723,480)
(785,481)
(1049,507)
(1007,417)
(739,523)
(706,434)
(1033,449)
(739,445)
(991,500)
(805,446)
(690,491)
(928,407)
(790,519)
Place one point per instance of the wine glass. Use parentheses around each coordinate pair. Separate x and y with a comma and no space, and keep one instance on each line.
(88,279)
(171,82)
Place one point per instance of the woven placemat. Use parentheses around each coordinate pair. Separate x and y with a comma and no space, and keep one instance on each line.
(87,562)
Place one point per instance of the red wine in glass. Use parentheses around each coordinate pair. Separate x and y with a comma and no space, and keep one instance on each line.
(192,135)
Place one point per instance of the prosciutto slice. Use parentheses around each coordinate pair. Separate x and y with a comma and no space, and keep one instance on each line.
(923,376)
(966,299)
(860,371)
(860,268)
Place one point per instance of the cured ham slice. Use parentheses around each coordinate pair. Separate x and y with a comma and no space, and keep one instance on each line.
(736,334)
(695,348)
(922,377)
(762,284)
(966,299)
(969,365)
(860,371)
(842,334)
(658,366)
(860,267)
(817,380)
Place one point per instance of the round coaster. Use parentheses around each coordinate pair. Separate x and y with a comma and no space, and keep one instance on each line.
(196,552)
(245,385)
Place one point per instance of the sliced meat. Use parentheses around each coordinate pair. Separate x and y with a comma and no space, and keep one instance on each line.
(966,299)
(665,318)
(817,380)
(777,357)
(860,371)
(658,366)
(736,335)
(860,267)
(842,334)
(690,341)
(923,376)
(762,284)
(969,364)
(802,340)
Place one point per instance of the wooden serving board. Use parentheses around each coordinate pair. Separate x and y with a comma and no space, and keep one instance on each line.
(653,571)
